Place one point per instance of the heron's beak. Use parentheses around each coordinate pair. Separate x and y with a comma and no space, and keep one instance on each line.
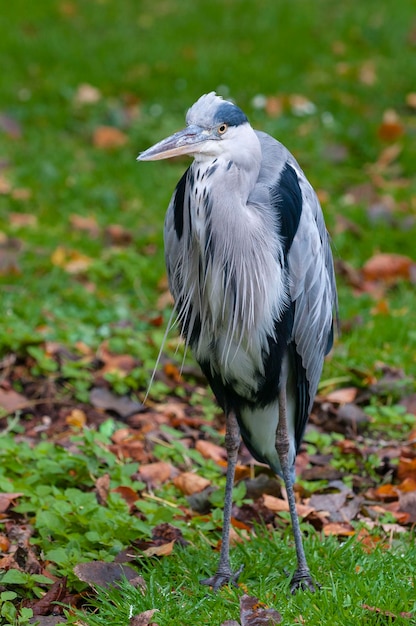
(182,142)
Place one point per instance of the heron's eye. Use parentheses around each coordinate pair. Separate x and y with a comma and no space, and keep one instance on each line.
(222,129)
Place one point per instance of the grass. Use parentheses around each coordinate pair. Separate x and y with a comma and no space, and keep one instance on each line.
(150,61)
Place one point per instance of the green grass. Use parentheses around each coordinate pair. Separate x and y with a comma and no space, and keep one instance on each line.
(151,61)
(350,579)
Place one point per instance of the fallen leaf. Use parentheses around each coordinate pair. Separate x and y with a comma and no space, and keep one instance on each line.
(104,574)
(76,418)
(143,619)
(72,261)
(388,267)
(386,493)
(117,235)
(211,450)
(406,468)
(11,401)
(339,529)
(4,542)
(102,398)
(10,126)
(155,473)
(85,223)
(108,138)
(164,549)
(23,220)
(190,483)
(391,127)
(344,395)
(128,494)
(411,100)
(87,94)
(102,488)
(255,613)
(278,505)
(49,602)
(389,614)
(8,499)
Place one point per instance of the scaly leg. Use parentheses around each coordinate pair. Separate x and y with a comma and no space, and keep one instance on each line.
(302,578)
(224,574)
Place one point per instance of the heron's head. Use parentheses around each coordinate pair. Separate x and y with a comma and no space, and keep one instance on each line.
(215,127)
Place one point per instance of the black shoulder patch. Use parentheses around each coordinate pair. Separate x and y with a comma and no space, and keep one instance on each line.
(287,198)
(178,203)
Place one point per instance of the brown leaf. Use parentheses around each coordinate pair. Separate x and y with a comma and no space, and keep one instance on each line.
(155,473)
(76,418)
(255,613)
(102,488)
(10,126)
(391,127)
(4,543)
(407,504)
(388,267)
(103,574)
(389,614)
(339,529)
(19,220)
(190,483)
(8,499)
(11,401)
(210,450)
(411,100)
(143,619)
(128,494)
(117,235)
(48,603)
(108,138)
(163,549)
(72,261)
(102,398)
(278,504)
(344,395)
(406,468)
(386,493)
(85,223)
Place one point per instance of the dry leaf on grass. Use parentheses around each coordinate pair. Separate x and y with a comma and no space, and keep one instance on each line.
(108,138)
(105,574)
(190,483)
(255,613)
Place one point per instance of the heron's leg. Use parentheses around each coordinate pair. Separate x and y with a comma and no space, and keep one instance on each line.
(224,574)
(302,578)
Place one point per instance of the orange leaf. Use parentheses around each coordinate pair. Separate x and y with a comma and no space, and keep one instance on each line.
(407,485)
(190,483)
(128,494)
(156,473)
(339,529)
(391,127)
(210,450)
(406,468)
(386,493)
(108,137)
(165,549)
(76,418)
(345,395)
(388,267)
(278,504)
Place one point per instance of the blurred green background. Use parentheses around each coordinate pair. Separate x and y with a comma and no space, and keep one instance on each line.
(320,76)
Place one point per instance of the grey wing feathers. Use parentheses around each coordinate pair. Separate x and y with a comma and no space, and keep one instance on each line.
(312,287)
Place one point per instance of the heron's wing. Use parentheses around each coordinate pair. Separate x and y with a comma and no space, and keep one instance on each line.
(178,264)
(313,292)
(310,271)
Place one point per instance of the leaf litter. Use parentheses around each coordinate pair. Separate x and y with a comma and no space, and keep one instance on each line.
(333,508)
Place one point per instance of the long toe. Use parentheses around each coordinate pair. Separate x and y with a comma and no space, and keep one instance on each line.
(302,581)
(223,577)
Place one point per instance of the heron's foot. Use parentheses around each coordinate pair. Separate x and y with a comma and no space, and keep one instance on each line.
(224,576)
(303,581)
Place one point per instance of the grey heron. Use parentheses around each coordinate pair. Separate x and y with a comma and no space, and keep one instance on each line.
(250,268)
